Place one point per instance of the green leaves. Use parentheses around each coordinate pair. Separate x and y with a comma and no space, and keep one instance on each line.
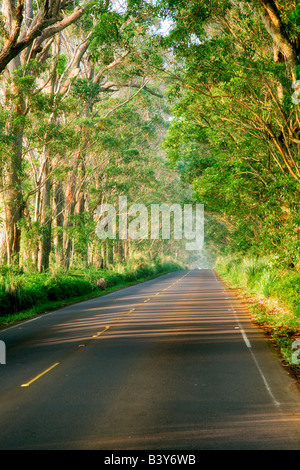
(61,63)
(107,30)
(105,35)
(86,90)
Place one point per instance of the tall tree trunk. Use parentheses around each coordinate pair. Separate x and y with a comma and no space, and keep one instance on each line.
(81,204)
(275,27)
(46,219)
(58,208)
(69,222)
(13,195)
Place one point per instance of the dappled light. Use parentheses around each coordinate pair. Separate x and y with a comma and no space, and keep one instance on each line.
(149,224)
(203,312)
(171,363)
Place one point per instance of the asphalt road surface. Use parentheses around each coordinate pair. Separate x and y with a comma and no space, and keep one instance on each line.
(173,363)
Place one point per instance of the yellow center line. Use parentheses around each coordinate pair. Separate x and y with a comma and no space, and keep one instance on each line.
(40,375)
(27,384)
(100,332)
(140,304)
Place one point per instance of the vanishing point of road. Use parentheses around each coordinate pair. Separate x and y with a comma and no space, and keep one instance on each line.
(172,363)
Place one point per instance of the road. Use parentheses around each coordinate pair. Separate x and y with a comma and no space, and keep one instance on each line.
(172,363)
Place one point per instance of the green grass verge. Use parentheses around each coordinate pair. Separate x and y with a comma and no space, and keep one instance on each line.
(23,296)
(262,277)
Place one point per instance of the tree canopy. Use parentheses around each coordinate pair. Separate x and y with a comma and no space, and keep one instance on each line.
(161,101)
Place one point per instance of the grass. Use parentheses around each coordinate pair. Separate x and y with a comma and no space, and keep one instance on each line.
(272,294)
(23,296)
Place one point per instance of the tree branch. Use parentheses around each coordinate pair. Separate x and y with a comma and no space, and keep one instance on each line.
(275,27)
(109,85)
(42,27)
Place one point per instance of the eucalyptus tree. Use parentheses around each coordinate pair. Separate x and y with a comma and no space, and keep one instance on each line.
(28,32)
(28,27)
(53,80)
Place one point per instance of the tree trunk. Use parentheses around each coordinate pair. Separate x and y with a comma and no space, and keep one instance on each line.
(13,196)
(67,240)
(46,219)
(275,27)
(58,207)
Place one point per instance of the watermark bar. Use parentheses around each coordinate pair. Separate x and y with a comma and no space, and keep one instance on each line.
(2,352)
(296,353)
(296,94)
(136,223)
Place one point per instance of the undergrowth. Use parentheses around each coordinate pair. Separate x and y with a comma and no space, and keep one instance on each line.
(25,294)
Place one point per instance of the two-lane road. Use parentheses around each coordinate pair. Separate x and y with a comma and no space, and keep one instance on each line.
(173,363)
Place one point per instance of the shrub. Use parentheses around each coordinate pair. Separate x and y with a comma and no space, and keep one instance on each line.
(66,287)
(19,291)
(287,288)
(263,277)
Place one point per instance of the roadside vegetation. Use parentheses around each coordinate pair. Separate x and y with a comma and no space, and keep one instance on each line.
(162,102)
(272,294)
(24,295)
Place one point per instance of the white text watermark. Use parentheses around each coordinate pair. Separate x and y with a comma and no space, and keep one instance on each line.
(2,352)
(296,94)
(137,222)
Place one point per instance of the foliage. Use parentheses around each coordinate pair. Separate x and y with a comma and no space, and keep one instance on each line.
(271,293)
(21,292)
(232,136)
(263,277)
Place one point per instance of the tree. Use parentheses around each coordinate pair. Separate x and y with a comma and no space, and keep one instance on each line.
(28,32)
(25,27)
(236,129)
(70,91)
